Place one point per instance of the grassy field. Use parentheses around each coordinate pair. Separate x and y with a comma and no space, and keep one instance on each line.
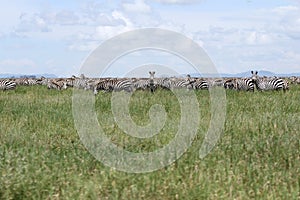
(42,157)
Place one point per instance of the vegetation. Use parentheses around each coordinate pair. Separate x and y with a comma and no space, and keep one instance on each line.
(42,157)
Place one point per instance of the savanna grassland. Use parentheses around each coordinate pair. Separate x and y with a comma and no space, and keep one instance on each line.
(42,156)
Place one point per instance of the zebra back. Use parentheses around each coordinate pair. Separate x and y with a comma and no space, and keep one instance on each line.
(7,84)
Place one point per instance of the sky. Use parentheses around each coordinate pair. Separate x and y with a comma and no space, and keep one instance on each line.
(57,37)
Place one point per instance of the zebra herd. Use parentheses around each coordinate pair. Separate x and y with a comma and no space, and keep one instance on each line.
(152,83)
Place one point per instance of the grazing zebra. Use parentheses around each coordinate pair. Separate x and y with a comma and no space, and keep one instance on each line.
(151,81)
(229,84)
(114,84)
(177,83)
(215,82)
(164,83)
(42,81)
(263,84)
(295,80)
(7,85)
(57,84)
(245,84)
(140,84)
(26,81)
(200,84)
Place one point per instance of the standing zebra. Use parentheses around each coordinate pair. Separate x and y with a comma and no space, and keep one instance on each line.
(114,84)
(7,85)
(263,84)
(245,84)
(151,81)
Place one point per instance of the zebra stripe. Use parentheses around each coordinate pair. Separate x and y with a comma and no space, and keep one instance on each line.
(244,84)
(182,83)
(164,83)
(114,84)
(142,84)
(229,84)
(264,84)
(200,84)
(56,84)
(7,85)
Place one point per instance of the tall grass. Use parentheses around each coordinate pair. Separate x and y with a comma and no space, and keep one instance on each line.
(42,157)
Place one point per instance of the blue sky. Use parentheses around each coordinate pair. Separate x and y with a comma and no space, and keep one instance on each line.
(238,35)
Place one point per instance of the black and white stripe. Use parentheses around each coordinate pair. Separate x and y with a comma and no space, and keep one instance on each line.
(140,84)
(7,85)
(264,84)
(245,84)
(200,84)
(114,85)
(179,83)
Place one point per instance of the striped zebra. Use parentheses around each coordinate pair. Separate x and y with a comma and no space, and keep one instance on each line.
(178,83)
(42,81)
(245,84)
(264,84)
(151,81)
(26,81)
(7,84)
(212,82)
(164,83)
(114,85)
(295,80)
(140,84)
(200,84)
(229,84)
(58,84)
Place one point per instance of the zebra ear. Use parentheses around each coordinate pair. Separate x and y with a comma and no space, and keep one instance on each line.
(251,72)
(149,72)
(153,72)
(256,72)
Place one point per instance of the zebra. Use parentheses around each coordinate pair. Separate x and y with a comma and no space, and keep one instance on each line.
(164,83)
(245,84)
(263,84)
(229,84)
(177,83)
(140,84)
(7,84)
(200,84)
(295,80)
(26,81)
(114,85)
(151,81)
(42,81)
(212,82)
(77,82)
(58,84)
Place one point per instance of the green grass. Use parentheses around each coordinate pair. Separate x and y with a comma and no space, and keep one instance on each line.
(42,157)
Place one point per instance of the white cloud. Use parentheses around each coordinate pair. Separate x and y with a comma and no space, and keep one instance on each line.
(137,6)
(234,38)
(17,63)
(18,66)
(258,38)
(87,41)
(178,1)
(32,23)
(285,9)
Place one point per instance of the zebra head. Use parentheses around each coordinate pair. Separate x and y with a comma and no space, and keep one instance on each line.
(152,74)
(255,78)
